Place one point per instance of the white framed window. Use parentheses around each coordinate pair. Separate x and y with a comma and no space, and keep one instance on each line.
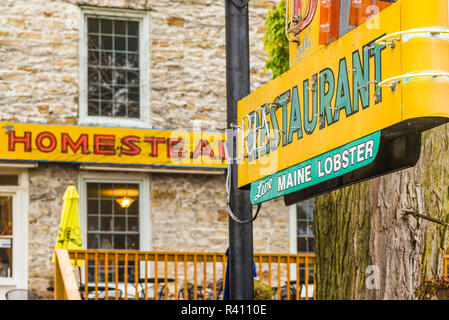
(107,222)
(114,214)
(114,54)
(302,240)
(13,229)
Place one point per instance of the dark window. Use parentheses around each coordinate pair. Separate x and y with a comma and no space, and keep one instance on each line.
(9,180)
(6,237)
(112,223)
(304,234)
(113,68)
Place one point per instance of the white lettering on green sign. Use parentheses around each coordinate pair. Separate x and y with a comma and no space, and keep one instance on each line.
(329,165)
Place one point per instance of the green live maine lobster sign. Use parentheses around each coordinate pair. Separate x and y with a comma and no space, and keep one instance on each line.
(329,165)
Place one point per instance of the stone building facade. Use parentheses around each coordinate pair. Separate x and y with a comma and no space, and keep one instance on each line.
(41,82)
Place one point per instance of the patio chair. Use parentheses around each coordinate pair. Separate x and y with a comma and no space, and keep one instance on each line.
(21,294)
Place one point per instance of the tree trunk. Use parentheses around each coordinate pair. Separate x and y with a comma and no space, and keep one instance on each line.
(368,247)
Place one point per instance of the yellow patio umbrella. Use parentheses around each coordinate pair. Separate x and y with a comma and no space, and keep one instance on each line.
(69,236)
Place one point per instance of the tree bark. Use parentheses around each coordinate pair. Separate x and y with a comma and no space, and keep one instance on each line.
(368,247)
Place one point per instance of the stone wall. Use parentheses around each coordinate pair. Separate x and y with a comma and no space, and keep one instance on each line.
(47,186)
(39,83)
(39,59)
(188,213)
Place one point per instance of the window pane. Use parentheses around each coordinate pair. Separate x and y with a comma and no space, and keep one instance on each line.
(105,214)
(301,213)
(105,78)
(133,242)
(93,42)
(118,210)
(133,60)
(93,108)
(309,230)
(120,43)
(120,77)
(302,228)
(106,223)
(133,97)
(106,242)
(133,111)
(92,206)
(119,109)
(311,244)
(92,25)
(133,224)
(93,76)
(133,44)
(106,26)
(302,246)
(106,207)
(5,258)
(93,241)
(133,28)
(92,222)
(119,241)
(120,224)
(94,58)
(106,190)
(9,180)
(112,226)
(132,79)
(5,236)
(5,216)
(133,209)
(106,42)
(120,59)
(120,27)
(94,92)
(106,60)
(305,211)
(113,49)
(107,94)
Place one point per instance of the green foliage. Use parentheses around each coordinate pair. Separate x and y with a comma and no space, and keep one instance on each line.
(262,291)
(433,288)
(275,41)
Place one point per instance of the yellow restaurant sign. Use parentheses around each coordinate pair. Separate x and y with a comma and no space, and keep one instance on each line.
(111,146)
(389,76)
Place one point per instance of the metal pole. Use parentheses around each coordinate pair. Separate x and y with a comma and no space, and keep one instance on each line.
(241,281)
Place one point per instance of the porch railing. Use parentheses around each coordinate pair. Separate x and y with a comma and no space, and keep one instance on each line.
(116,274)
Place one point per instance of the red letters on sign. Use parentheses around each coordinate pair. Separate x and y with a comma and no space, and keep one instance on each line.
(104,144)
(221,150)
(72,146)
(82,143)
(154,141)
(128,141)
(203,148)
(174,148)
(48,136)
(26,140)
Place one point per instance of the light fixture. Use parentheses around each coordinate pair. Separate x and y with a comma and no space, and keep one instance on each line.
(125,202)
